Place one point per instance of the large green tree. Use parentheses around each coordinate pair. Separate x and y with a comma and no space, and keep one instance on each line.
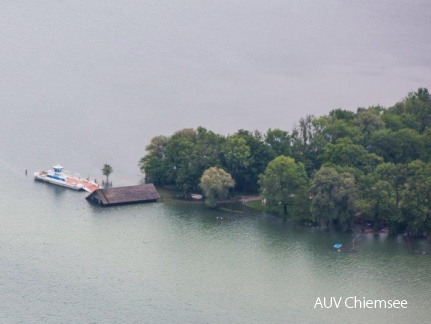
(396,175)
(236,154)
(416,198)
(153,164)
(215,184)
(418,104)
(369,120)
(346,153)
(179,165)
(333,197)
(279,142)
(283,183)
(402,146)
(247,177)
(378,203)
(306,144)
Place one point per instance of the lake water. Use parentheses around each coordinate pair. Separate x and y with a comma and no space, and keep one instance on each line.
(85,84)
(64,260)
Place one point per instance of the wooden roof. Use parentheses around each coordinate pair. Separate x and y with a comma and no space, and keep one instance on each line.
(125,195)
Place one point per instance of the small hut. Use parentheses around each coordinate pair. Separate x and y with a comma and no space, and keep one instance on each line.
(124,195)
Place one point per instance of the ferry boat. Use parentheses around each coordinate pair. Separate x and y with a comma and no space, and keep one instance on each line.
(65,179)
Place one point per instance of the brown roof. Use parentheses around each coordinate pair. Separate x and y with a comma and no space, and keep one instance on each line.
(125,195)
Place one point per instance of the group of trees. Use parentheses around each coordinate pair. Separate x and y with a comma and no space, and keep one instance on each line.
(372,165)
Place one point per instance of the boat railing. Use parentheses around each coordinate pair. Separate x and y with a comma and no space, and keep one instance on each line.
(67,173)
(77,176)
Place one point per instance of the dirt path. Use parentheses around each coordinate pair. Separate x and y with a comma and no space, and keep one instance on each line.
(245,199)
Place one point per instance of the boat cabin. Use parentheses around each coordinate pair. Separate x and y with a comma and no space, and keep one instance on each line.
(57,168)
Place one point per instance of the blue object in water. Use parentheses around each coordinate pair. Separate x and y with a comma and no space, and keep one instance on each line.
(337,246)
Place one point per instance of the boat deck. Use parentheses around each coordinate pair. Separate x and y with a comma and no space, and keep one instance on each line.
(88,186)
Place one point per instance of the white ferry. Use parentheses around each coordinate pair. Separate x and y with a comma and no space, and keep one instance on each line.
(65,179)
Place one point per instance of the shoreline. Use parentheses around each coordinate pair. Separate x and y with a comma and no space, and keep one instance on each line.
(254,202)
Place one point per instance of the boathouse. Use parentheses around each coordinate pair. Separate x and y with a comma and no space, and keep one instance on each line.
(124,195)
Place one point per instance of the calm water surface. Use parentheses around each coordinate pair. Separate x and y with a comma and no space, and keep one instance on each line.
(85,84)
(65,260)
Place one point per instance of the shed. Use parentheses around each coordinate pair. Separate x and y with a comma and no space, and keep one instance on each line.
(124,195)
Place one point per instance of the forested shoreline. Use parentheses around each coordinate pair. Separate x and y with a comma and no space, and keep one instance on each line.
(372,165)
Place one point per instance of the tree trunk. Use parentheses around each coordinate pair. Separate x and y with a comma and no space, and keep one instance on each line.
(285,212)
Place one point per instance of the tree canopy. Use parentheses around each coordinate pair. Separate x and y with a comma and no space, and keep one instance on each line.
(333,197)
(373,163)
(106,171)
(215,184)
(283,183)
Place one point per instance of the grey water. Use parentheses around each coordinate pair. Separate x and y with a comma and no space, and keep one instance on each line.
(87,83)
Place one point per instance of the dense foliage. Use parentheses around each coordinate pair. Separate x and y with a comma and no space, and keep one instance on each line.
(215,184)
(284,182)
(371,166)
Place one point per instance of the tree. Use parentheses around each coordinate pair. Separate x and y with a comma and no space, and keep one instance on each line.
(236,153)
(278,141)
(342,114)
(107,170)
(369,121)
(416,201)
(418,104)
(333,197)
(215,184)
(305,129)
(402,146)
(260,155)
(179,166)
(332,129)
(283,183)
(345,153)
(153,164)
(181,159)
(392,121)
(205,153)
(305,148)
(396,175)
